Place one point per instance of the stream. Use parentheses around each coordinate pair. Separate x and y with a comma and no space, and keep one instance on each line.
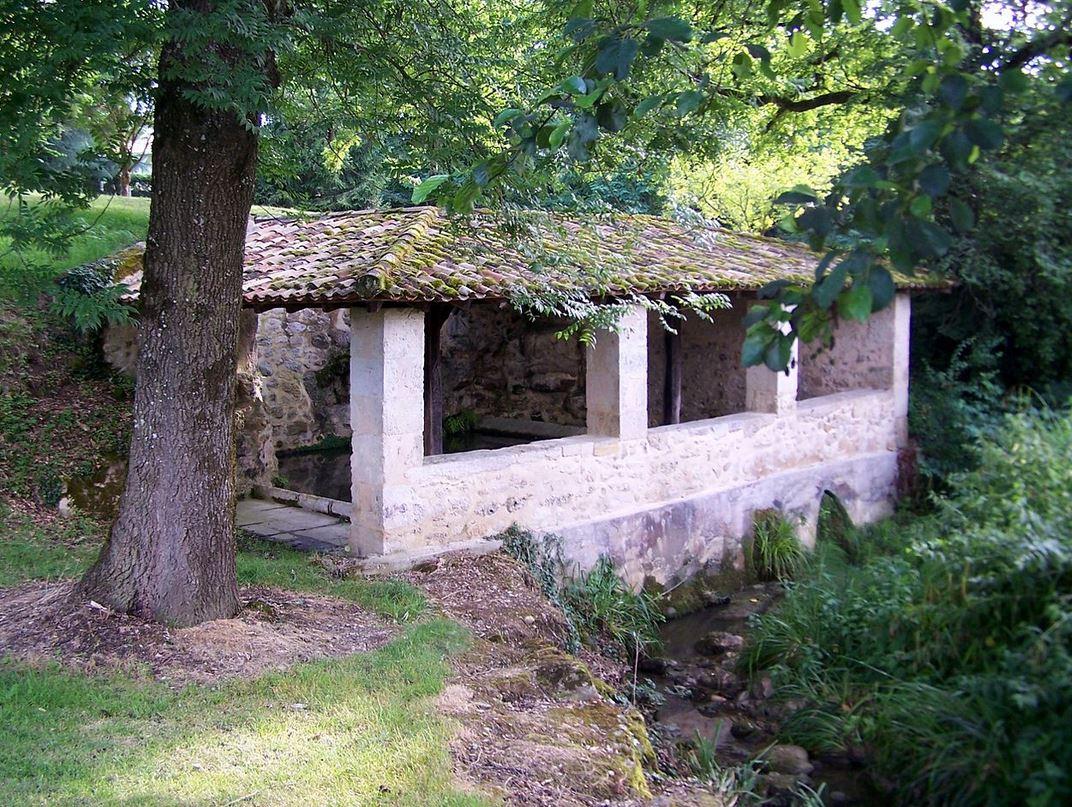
(702,693)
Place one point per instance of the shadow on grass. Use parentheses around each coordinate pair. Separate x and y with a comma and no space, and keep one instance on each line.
(29,551)
(359,730)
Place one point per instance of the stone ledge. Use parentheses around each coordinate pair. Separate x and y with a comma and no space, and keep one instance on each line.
(306,501)
(403,559)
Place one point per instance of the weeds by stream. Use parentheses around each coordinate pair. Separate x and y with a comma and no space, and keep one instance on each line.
(940,648)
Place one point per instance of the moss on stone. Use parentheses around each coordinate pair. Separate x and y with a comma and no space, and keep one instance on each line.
(700,590)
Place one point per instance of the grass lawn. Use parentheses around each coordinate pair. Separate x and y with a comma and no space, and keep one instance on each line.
(364,730)
(111,223)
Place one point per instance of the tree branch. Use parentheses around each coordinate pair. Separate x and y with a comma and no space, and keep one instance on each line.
(806,104)
(1062,35)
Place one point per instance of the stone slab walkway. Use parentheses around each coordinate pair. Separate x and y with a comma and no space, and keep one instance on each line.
(300,529)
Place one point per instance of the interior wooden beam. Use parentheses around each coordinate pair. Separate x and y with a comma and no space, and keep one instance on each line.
(434,319)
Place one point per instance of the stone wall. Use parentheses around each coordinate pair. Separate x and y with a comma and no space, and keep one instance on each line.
(713,379)
(255,454)
(661,502)
(860,357)
(704,474)
(302,357)
(498,363)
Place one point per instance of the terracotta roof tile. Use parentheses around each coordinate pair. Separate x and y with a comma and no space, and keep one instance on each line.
(416,255)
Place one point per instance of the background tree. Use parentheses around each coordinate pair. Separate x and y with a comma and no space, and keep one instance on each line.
(118,114)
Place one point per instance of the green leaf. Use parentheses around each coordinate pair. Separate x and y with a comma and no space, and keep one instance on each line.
(956,148)
(923,135)
(926,238)
(584,132)
(648,104)
(755,344)
(882,287)
(797,196)
(652,46)
(464,198)
(902,26)
(506,116)
(580,28)
(611,116)
(826,291)
(688,101)
(1064,90)
(798,44)
(934,180)
(953,90)
(616,56)
(574,85)
(742,65)
(558,134)
(855,302)
(863,177)
(771,289)
(756,313)
(984,133)
(921,206)
(429,186)
(991,99)
(779,352)
(961,215)
(758,52)
(852,10)
(817,219)
(1013,81)
(673,29)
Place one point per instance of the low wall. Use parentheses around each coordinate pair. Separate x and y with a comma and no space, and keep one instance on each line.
(860,356)
(698,483)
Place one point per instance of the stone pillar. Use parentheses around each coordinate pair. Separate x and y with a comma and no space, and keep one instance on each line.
(768,391)
(386,414)
(902,322)
(616,375)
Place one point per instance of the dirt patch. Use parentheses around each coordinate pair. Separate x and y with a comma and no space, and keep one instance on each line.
(539,726)
(277,628)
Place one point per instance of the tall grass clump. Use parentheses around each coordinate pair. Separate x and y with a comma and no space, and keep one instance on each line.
(942,647)
(777,553)
(599,607)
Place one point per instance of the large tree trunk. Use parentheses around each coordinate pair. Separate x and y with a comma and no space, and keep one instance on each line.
(170,555)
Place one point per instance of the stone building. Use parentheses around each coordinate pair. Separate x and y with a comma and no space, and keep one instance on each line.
(653,447)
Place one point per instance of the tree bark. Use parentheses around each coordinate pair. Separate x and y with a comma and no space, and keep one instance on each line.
(171,552)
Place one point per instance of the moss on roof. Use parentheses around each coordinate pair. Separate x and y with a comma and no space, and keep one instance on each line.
(419,254)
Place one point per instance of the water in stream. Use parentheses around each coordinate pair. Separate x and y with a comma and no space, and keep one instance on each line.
(704,694)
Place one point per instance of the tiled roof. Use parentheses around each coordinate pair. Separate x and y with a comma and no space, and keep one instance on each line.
(419,254)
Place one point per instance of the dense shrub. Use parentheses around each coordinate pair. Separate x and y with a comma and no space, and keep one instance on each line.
(1005,330)
(946,650)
